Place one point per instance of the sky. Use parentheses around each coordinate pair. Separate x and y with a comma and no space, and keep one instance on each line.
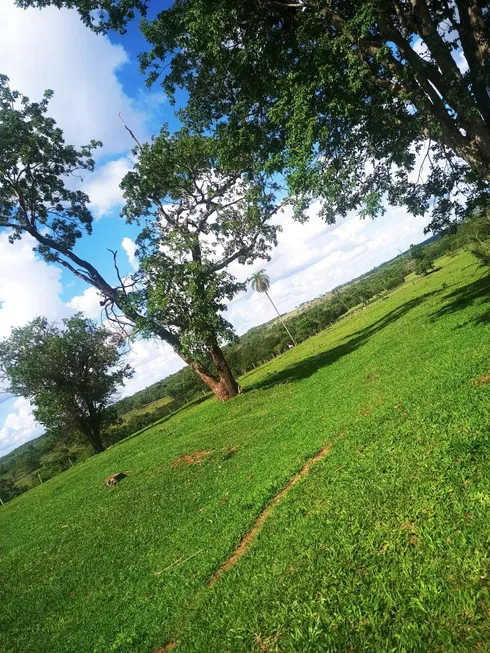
(96,78)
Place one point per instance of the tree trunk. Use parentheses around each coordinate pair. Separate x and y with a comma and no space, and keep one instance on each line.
(280,317)
(224,387)
(227,386)
(96,441)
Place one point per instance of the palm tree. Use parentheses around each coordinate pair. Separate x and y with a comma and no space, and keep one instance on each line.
(260,282)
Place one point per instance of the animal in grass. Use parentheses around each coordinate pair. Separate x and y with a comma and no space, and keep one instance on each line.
(114,479)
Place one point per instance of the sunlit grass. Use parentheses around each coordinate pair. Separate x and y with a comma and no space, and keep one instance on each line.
(383,546)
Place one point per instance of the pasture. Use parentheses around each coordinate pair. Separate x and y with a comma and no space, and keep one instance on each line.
(383,544)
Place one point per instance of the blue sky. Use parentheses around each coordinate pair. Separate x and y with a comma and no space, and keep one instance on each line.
(94,78)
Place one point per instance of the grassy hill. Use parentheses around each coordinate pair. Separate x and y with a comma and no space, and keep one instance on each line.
(382,544)
(144,410)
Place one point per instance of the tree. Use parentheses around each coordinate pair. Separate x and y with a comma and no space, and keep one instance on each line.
(227,208)
(261,283)
(341,96)
(99,15)
(346,97)
(476,233)
(199,218)
(8,490)
(424,262)
(71,376)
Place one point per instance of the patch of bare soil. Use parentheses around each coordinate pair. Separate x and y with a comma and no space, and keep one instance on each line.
(228,452)
(481,380)
(247,540)
(167,647)
(190,458)
(366,410)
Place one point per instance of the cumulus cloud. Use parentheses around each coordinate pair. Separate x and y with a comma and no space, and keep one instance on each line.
(53,49)
(313,258)
(19,426)
(88,303)
(129,247)
(152,360)
(30,287)
(103,187)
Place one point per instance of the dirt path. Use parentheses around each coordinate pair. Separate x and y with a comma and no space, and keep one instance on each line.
(247,540)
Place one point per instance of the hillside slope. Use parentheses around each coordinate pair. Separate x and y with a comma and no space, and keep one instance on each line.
(382,545)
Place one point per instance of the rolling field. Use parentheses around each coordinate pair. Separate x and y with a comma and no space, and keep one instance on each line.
(383,544)
(143,410)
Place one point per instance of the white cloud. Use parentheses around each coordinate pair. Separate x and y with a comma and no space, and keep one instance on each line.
(103,186)
(30,287)
(152,360)
(129,247)
(53,49)
(19,426)
(315,257)
(88,303)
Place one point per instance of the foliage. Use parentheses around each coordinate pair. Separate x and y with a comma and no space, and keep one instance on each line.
(260,281)
(476,232)
(199,218)
(71,376)
(183,283)
(34,161)
(386,542)
(424,263)
(482,252)
(8,490)
(99,15)
(347,98)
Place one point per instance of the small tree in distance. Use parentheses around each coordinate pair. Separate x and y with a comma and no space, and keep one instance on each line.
(423,261)
(260,282)
(70,375)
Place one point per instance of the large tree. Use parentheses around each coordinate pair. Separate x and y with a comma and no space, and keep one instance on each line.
(340,95)
(198,218)
(71,375)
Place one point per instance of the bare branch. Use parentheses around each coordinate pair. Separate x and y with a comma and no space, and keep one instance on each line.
(130,132)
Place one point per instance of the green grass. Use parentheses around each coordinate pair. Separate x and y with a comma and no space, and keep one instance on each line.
(383,546)
(149,408)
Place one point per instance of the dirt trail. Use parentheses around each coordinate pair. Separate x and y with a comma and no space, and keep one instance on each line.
(259,523)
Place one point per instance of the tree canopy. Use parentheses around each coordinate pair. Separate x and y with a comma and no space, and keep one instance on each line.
(198,218)
(99,15)
(340,96)
(346,98)
(70,375)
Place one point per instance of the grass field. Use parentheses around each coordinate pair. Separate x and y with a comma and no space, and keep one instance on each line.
(384,545)
(143,410)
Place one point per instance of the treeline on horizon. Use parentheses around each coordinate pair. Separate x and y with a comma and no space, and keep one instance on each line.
(41,459)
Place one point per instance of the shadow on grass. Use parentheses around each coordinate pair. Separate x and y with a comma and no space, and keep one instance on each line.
(476,292)
(309,366)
